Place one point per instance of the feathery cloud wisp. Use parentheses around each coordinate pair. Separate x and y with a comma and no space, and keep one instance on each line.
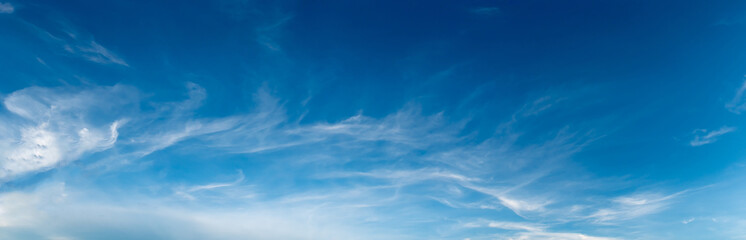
(738,104)
(703,136)
(78,44)
(633,206)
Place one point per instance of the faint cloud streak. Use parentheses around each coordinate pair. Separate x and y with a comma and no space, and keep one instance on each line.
(703,136)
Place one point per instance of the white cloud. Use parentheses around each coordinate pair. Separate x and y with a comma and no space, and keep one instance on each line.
(53,211)
(519,206)
(6,8)
(407,176)
(539,105)
(532,231)
(403,177)
(703,136)
(94,52)
(738,104)
(531,227)
(77,44)
(51,126)
(218,185)
(407,127)
(633,206)
(267,35)
(468,173)
(557,236)
(54,127)
(189,192)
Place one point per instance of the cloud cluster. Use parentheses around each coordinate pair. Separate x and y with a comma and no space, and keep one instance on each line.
(362,167)
(47,127)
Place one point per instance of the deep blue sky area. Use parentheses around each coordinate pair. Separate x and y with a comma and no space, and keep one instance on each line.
(240,119)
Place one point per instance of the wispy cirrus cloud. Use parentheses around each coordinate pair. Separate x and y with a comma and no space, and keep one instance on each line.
(361,166)
(94,52)
(268,35)
(703,136)
(633,206)
(530,227)
(738,104)
(189,192)
(75,43)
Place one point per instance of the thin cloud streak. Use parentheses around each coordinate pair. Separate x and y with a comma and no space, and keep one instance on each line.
(74,43)
(633,206)
(738,104)
(703,136)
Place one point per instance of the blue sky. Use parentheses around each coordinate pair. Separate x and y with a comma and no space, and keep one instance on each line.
(467,120)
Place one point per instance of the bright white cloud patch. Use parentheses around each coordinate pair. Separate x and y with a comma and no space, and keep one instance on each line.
(52,127)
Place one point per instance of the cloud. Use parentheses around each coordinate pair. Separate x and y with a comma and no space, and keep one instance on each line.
(48,127)
(557,236)
(517,226)
(189,192)
(267,35)
(6,8)
(407,127)
(518,206)
(55,211)
(78,44)
(53,126)
(703,136)
(94,52)
(406,176)
(218,185)
(532,231)
(360,167)
(633,206)
(738,104)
